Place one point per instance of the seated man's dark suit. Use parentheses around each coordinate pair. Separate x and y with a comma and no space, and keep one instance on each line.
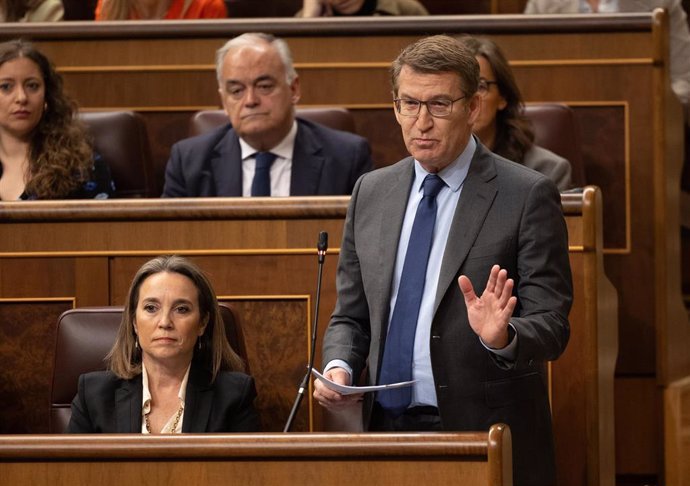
(324,162)
(108,404)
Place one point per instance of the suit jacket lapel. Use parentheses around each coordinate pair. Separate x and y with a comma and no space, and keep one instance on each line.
(226,166)
(307,163)
(392,216)
(478,193)
(198,401)
(128,397)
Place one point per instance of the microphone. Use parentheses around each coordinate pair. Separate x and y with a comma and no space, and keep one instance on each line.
(321,248)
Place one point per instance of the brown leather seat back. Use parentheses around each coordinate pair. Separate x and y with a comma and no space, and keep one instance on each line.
(556,129)
(121,138)
(337,118)
(84,337)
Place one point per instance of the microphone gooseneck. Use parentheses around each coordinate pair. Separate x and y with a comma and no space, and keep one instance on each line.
(321,248)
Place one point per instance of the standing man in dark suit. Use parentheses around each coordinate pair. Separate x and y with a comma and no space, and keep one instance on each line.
(453,272)
(265,150)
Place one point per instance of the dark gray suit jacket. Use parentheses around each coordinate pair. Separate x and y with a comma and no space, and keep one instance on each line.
(325,162)
(508,215)
(107,404)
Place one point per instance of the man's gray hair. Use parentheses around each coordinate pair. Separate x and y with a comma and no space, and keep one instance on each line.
(253,39)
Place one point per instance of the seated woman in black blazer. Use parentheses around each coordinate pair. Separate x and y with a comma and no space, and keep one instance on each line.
(171,368)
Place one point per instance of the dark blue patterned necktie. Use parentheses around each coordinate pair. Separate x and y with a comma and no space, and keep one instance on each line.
(397,354)
(261,185)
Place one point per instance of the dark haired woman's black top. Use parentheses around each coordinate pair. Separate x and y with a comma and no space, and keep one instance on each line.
(98,186)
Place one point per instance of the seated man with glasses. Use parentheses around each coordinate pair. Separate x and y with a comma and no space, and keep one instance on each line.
(264,150)
(453,274)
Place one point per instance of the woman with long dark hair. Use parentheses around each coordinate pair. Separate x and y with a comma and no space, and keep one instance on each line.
(44,149)
(501,125)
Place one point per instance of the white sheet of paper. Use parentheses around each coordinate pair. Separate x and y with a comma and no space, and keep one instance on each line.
(350,390)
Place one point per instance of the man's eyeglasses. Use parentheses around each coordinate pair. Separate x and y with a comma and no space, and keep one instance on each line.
(484,86)
(438,107)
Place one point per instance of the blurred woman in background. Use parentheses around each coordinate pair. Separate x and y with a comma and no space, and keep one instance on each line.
(501,125)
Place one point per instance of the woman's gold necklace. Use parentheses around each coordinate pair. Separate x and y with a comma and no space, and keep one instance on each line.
(174,427)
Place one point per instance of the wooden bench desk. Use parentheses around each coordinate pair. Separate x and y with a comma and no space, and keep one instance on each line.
(478,459)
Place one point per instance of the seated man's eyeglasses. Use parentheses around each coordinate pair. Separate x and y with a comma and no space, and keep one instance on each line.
(437,107)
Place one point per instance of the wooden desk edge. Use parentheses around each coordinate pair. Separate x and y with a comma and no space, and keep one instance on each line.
(218,446)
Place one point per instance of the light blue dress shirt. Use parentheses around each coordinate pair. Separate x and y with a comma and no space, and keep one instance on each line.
(424,390)
(454,175)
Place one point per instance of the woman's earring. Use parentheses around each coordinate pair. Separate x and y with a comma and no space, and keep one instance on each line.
(199,343)
(136,343)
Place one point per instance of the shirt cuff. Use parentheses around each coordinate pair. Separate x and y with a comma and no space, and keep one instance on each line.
(509,352)
(339,363)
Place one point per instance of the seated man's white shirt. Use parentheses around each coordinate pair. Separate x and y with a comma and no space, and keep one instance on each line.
(281,168)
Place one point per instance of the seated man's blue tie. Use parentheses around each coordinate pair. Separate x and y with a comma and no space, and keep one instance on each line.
(397,354)
(261,184)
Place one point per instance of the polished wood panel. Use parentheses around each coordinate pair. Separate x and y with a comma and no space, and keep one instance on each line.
(585,437)
(26,328)
(257,459)
(646,395)
(677,425)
